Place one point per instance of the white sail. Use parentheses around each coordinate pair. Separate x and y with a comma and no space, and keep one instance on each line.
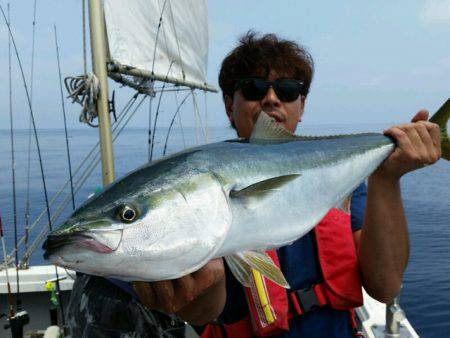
(178,49)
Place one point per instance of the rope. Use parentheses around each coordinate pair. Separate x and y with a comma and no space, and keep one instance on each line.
(180,123)
(157,113)
(173,120)
(198,118)
(206,117)
(83,7)
(157,35)
(84,90)
(149,141)
(176,40)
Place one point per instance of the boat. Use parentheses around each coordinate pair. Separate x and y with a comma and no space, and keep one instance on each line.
(168,50)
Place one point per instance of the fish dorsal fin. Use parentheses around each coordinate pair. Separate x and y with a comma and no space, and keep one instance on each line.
(266,128)
(263,188)
(242,263)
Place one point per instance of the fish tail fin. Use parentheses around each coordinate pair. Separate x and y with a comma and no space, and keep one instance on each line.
(441,118)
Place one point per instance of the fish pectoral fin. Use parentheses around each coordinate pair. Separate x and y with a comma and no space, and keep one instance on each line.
(241,265)
(345,204)
(263,188)
(240,269)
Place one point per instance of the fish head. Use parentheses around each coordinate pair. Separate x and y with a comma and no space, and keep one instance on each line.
(94,229)
(155,233)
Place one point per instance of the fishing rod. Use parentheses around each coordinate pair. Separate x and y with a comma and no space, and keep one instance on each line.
(64,118)
(35,135)
(13,170)
(27,200)
(83,163)
(16,320)
(8,284)
(85,175)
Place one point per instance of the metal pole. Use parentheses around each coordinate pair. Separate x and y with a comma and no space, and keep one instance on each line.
(394,316)
(98,48)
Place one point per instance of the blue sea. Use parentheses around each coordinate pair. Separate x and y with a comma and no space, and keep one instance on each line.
(426,195)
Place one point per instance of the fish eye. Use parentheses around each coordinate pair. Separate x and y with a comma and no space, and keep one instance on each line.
(127,213)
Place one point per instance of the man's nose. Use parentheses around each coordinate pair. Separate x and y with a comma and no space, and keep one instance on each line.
(271,99)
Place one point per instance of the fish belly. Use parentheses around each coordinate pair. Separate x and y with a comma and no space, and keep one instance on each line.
(290,212)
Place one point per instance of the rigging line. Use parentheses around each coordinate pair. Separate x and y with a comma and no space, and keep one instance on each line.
(8,284)
(179,122)
(206,116)
(84,176)
(197,117)
(64,117)
(173,120)
(36,139)
(176,40)
(27,202)
(94,164)
(82,164)
(197,112)
(83,8)
(166,45)
(157,35)
(157,113)
(149,126)
(13,169)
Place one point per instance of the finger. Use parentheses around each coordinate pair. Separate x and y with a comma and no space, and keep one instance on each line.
(165,296)
(210,274)
(403,142)
(432,152)
(422,115)
(419,151)
(146,294)
(185,289)
(435,133)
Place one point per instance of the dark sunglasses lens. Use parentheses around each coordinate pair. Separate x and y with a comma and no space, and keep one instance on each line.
(254,89)
(288,90)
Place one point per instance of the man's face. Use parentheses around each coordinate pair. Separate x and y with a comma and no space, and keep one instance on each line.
(244,113)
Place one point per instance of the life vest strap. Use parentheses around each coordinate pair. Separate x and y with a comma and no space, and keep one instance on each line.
(307,299)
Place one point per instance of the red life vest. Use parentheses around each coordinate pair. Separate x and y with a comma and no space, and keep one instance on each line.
(269,310)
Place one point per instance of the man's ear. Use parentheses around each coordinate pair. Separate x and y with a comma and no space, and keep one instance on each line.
(302,108)
(228,100)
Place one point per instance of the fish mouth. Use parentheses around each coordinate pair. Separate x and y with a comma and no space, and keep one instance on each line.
(103,242)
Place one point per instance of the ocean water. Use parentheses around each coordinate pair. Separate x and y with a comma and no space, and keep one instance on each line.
(426,195)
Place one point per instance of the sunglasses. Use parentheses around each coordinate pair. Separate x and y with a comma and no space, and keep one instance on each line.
(255,89)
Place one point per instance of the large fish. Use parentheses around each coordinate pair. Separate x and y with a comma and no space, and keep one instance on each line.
(231,199)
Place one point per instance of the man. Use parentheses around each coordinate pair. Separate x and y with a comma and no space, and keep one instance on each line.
(251,79)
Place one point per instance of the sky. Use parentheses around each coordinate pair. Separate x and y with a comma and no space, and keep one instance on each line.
(376,62)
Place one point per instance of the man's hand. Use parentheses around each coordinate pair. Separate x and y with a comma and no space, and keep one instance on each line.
(418,145)
(187,296)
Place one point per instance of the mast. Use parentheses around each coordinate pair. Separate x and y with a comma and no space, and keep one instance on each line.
(98,48)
